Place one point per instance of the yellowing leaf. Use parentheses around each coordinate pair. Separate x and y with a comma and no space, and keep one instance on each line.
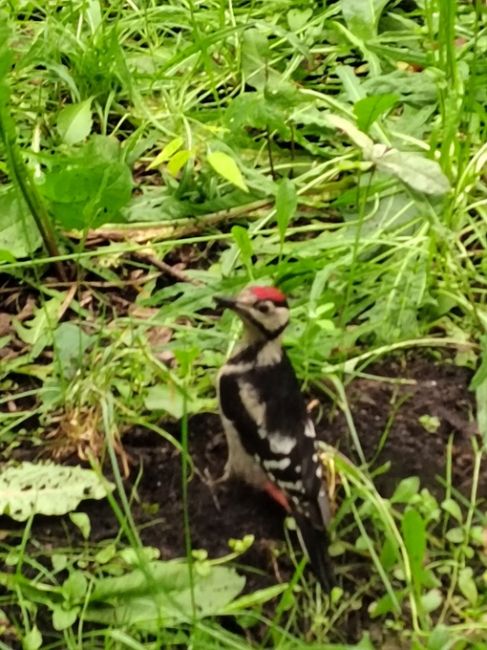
(178,161)
(227,168)
(168,151)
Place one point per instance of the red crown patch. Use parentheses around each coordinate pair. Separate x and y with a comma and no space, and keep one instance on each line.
(268,293)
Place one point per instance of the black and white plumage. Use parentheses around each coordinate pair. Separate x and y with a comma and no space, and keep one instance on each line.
(271,439)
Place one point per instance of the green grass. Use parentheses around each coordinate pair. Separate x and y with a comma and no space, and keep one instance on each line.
(357,184)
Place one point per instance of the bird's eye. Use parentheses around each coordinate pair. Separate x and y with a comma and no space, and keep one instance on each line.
(263,307)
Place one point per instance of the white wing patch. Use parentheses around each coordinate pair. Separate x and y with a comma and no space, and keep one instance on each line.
(281,463)
(294,486)
(280,444)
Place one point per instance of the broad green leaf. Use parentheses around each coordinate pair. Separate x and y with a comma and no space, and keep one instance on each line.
(242,239)
(467,585)
(32,640)
(453,509)
(74,587)
(297,18)
(418,89)
(388,554)
(406,490)
(431,600)
(82,522)
(362,16)
(254,57)
(455,535)
(286,204)
(90,186)
(168,152)
(414,533)
(352,84)
(417,171)
(63,618)
(70,344)
(59,561)
(74,122)
(94,14)
(19,236)
(163,594)
(368,109)
(441,638)
(106,554)
(47,489)
(227,168)
(165,398)
(168,398)
(6,256)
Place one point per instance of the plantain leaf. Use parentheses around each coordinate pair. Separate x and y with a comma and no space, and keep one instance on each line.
(47,489)
(165,593)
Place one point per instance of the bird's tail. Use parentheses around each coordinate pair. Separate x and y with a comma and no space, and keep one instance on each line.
(315,543)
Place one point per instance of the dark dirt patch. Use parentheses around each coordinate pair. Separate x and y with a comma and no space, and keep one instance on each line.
(437,390)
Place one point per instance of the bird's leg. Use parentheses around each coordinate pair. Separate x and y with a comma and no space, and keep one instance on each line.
(211,482)
(227,472)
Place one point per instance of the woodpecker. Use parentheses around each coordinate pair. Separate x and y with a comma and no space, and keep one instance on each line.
(271,439)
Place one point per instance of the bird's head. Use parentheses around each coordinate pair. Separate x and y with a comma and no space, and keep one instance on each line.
(263,310)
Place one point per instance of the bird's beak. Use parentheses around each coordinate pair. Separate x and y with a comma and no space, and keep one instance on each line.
(226,303)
